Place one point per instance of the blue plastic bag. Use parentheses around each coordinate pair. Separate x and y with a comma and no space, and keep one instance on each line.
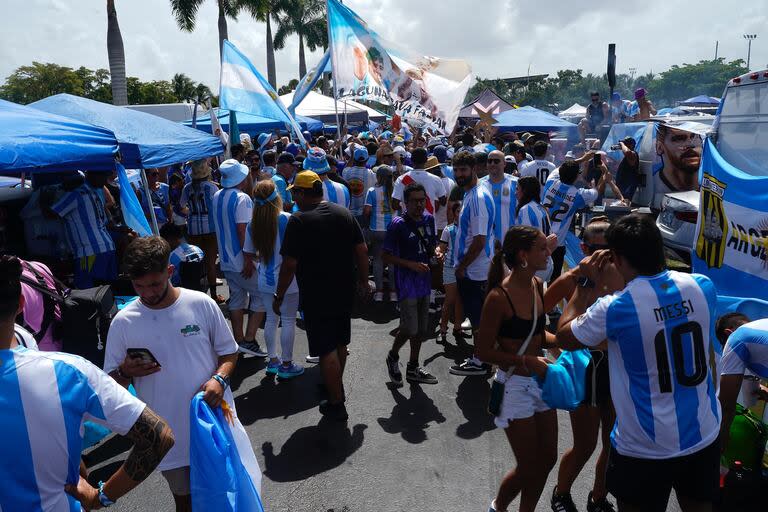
(219,481)
(564,385)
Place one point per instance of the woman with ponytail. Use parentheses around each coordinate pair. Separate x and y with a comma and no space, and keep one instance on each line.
(531,213)
(264,237)
(513,313)
(378,213)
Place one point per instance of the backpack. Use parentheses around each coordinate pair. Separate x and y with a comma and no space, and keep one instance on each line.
(85,317)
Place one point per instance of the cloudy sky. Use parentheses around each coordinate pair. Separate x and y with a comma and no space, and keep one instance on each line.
(500,38)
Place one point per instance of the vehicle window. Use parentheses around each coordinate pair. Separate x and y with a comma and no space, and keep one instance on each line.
(743,128)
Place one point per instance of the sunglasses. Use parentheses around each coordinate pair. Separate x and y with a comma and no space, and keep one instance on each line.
(596,247)
(494,161)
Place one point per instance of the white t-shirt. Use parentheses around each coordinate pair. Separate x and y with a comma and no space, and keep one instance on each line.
(187,338)
(45,397)
(539,169)
(432,184)
(441,217)
(660,331)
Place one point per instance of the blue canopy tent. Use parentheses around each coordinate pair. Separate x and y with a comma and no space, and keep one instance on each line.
(701,100)
(253,124)
(145,140)
(31,140)
(532,119)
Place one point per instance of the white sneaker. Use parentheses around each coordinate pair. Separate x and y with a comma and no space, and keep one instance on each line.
(466,325)
(378,296)
(392,296)
(312,359)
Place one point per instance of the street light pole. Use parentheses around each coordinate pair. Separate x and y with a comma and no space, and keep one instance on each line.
(749,38)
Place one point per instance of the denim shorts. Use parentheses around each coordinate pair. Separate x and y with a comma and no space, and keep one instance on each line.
(449,275)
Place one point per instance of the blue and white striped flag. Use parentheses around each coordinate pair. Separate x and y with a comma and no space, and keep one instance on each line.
(132,213)
(309,81)
(243,89)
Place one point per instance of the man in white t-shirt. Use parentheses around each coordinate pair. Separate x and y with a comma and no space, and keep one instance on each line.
(170,344)
(436,193)
(540,167)
(45,397)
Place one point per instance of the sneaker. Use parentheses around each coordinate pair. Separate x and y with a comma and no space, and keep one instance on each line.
(219,281)
(442,336)
(312,359)
(470,367)
(289,372)
(393,368)
(393,297)
(418,374)
(599,506)
(492,508)
(562,502)
(331,411)
(272,367)
(252,348)
(378,296)
(466,325)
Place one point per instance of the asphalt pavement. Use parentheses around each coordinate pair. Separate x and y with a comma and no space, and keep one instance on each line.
(414,448)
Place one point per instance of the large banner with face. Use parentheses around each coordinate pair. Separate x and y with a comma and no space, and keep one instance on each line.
(732,230)
(425,91)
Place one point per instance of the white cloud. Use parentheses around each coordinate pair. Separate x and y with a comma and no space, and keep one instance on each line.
(500,38)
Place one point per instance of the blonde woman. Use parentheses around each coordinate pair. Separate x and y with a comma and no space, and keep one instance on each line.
(264,236)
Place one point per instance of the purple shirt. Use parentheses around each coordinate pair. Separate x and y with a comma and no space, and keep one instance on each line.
(403,241)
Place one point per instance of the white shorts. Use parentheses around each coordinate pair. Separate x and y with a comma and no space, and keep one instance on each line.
(243,293)
(522,399)
(449,275)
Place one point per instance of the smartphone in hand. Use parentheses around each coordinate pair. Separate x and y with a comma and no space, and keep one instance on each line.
(597,159)
(144,354)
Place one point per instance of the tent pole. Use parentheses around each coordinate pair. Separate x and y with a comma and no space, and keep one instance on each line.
(333,74)
(152,218)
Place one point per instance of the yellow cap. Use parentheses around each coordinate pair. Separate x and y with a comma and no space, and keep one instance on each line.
(305,179)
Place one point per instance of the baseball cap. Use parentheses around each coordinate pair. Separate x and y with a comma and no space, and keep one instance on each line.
(615,96)
(526,136)
(307,136)
(292,148)
(286,158)
(441,153)
(232,173)
(316,161)
(509,159)
(400,150)
(304,179)
(361,154)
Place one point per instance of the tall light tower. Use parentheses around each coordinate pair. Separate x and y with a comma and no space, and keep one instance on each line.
(632,72)
(749,38)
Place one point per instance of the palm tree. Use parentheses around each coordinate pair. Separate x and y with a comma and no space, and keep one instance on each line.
(305,18)
(183,87)
(116,55)
(266,11)
(185,12)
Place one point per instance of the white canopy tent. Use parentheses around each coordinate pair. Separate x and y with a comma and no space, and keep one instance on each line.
(322,107)
(574,110)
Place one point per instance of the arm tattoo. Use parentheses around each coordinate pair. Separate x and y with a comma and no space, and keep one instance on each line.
(152,438)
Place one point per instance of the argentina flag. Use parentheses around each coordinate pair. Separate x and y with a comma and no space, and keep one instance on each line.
(243,89)
(129,203)
(309,81)
(732,228)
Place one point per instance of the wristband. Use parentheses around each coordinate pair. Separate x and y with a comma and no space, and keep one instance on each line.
(221,380)
(103,499)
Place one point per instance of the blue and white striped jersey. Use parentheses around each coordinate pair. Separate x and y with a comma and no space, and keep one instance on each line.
(475,219)
(183,253)
(747,349)
(85,220)
(335,193)
(282,188)
(198,197)
(161,198)
(504,203)
(449,237)
(268,271)
(562,201)
(45,398)
(534,215)
(230,208)
(381,208)
(360,180)
(660,331)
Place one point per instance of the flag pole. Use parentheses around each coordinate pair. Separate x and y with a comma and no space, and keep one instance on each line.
(333,70)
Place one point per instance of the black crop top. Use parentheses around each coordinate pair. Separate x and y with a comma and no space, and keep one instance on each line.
(516,327)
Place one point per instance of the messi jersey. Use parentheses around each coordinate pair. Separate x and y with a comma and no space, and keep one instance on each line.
(747,349)
(85,221)
(660,331)
(504,203)
(198,197)
(562,201)
(360,180)
(381,208)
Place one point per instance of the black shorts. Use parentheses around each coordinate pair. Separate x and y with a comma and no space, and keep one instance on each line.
(598,384)
(326,333)
(646,483)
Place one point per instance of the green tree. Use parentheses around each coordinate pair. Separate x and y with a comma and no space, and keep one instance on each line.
(290,86)
(183,87)
(185,12)
(96,84)
(707,77)
(147,93)
(38,81)
(306,19)
(116,54)
(266,11)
